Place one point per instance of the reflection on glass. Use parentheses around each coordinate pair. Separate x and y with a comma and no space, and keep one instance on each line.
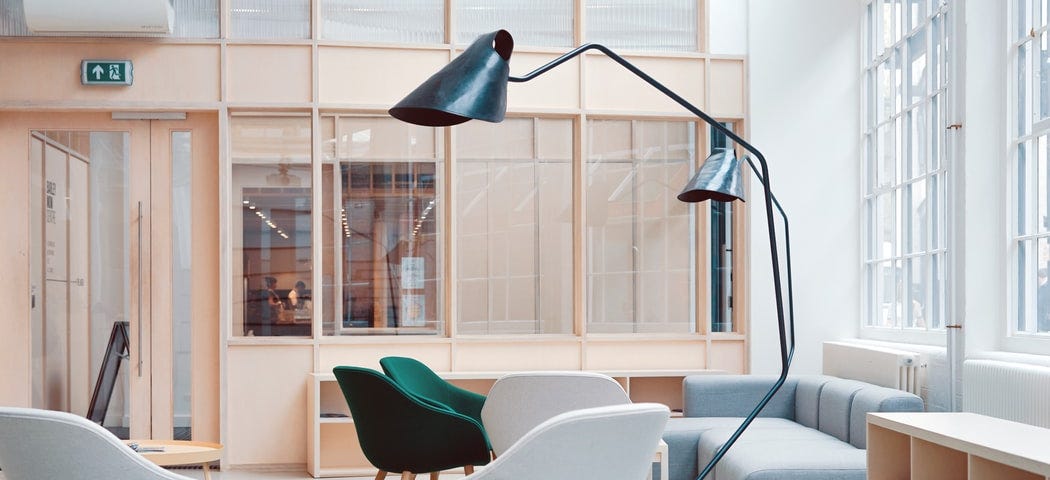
(640,243)
(721,250)
(514,227)
(381,210)
(79,274)
(271,223)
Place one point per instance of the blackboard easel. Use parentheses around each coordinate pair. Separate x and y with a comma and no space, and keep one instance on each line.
(107,375)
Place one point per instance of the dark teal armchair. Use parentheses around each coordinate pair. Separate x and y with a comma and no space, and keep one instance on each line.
(400,433)
(422,382)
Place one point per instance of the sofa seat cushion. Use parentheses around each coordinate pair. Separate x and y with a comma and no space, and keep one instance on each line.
(682,436)
(768,434)
(803,459)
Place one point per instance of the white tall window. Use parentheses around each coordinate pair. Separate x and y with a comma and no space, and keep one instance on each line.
(1029,129)
(906,163)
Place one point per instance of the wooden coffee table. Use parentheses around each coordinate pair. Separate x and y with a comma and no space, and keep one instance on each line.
(180,452)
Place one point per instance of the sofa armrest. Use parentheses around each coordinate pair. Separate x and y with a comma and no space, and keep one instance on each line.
(736,396)
(878,399)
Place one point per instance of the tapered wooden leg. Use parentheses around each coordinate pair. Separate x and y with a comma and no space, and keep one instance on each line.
(380,475)
(434,475)
(406,475)
(468,469)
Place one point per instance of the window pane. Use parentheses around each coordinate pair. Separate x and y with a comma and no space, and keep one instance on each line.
(721,250)
(381,239)
(1023,88)
(546,23)
(885,228)
(268,19)
(196,18)
(1022,187)
(668,25)
(181,282)
(1021,18)
(640,240)
(1042,200)
(1044,77)
(385,21)
(884,91)
(917,66)
(12,19)
(886,156)
(916,12)
(271,224)
(938,292)
(916,291)
(1033,292)
(887,22)
(886,290)
(917,217)
(898,80)
(514,226)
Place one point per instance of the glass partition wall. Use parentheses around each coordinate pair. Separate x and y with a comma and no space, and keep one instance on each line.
(561,220)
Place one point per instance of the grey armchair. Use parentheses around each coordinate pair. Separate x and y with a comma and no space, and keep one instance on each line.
(43,444)
(610,443)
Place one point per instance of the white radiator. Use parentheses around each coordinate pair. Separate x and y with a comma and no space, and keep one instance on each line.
(874,364)
(1009,390)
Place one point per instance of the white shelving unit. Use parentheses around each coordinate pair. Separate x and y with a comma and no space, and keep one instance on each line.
(955,446)
(331,442)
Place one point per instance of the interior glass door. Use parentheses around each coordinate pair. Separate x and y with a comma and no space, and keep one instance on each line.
(111,280)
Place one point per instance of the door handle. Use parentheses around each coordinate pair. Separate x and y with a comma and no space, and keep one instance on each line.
(139,255)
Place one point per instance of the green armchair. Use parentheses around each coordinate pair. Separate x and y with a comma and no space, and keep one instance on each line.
(400,433)
(422,382)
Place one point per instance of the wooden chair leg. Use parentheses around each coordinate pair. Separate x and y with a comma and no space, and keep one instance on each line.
(407,475)
(381,475)
(434,475)
(468,469)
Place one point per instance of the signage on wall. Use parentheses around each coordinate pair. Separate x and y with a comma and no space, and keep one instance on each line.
(105,72)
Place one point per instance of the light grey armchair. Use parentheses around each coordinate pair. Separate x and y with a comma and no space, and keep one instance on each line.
(518,402)
(610,443)
(43,444)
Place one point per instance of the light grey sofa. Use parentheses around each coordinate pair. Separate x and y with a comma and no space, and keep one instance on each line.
(813,428)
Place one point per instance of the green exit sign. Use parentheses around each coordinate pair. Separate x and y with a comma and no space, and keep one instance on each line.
(105,72)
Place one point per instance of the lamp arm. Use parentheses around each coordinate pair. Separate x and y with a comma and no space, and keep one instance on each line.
(763,175)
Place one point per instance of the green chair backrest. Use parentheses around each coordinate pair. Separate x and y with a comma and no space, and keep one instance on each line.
(398,432)
(422,382)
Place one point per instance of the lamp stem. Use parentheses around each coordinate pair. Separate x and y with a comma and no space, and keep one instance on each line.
(763,176)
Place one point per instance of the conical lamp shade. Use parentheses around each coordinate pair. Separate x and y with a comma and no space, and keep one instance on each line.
(473,86)
(719,179)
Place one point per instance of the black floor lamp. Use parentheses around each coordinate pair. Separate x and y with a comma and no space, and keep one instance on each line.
(474,86)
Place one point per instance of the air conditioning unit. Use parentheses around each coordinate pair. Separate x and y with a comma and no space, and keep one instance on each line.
(100,17)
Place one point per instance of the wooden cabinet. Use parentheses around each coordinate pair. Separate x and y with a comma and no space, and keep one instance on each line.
(943,446)
(332,449)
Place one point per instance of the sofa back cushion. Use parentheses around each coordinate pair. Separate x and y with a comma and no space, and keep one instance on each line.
(873,398)
(807,399)
(736,396)
(836,400)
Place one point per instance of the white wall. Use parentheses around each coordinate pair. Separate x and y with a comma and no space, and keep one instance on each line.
(805,90)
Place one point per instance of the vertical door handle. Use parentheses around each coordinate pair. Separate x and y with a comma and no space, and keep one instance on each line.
(139,256)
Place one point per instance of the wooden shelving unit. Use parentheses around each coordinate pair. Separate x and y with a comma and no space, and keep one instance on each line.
(954,446)
(331,441)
